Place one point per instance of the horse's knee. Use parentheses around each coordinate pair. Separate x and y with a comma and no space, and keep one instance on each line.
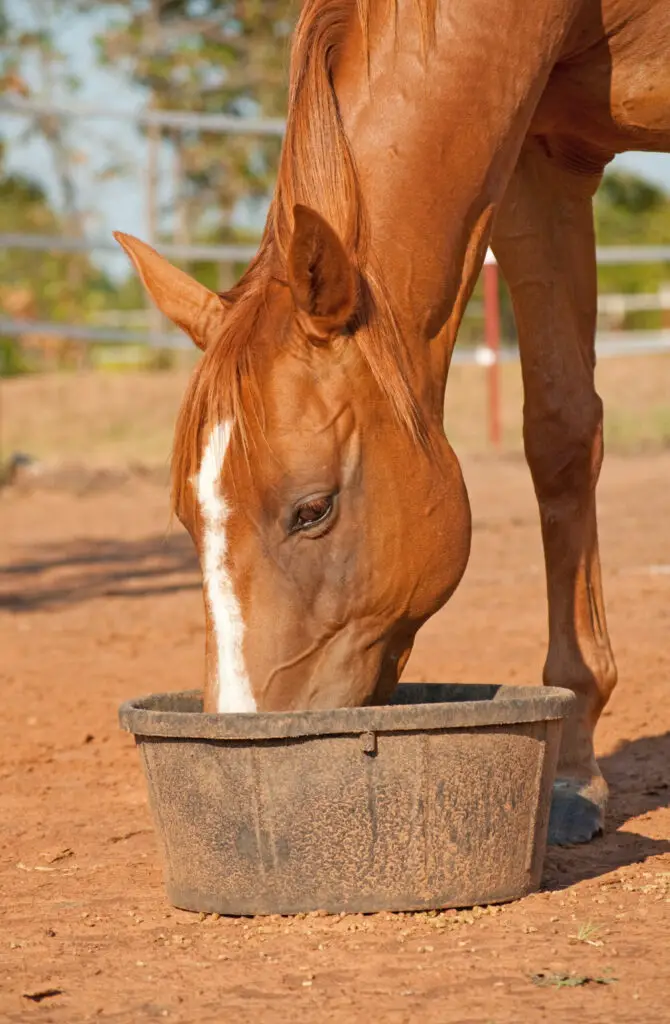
(564,446)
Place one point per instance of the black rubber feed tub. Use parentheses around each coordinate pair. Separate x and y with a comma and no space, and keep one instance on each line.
(440,799)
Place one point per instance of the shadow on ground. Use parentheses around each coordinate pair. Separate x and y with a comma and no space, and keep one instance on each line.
(637,774)
(67,574)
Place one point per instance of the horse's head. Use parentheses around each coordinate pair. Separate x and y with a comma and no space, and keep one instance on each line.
(327,532)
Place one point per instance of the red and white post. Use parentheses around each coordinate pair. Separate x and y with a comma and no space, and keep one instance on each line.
(492,343)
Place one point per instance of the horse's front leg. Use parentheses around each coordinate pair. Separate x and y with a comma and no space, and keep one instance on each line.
(545,244)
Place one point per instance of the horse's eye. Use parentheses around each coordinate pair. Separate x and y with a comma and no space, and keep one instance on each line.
(311,512)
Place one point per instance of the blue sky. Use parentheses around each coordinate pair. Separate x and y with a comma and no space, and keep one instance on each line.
(118,204)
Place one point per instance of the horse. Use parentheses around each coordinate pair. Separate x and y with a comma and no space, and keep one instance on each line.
(310,463)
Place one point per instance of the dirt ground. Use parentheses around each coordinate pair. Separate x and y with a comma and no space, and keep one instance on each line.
(100,602)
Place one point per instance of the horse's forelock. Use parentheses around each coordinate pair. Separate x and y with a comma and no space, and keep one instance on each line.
(316,169)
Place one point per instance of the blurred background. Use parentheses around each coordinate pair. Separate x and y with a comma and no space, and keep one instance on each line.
(163,118)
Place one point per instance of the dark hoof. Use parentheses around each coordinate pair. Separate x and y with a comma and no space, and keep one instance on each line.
(577,811)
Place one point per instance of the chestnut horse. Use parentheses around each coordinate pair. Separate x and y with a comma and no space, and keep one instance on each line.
(310,464)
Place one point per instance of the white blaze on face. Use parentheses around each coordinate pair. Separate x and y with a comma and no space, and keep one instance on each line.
(234,689)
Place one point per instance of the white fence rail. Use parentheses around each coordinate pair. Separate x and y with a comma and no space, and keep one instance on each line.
(608,343)
(619,304)
(194,253)
(233,253)
(184,119)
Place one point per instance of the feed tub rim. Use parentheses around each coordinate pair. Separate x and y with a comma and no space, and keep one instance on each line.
(507,705)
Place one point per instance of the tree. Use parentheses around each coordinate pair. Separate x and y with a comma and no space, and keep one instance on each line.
(632,211)
(48,288)
(32,61)
(211,56)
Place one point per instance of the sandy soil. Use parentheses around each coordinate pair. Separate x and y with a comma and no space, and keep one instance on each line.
(99,603)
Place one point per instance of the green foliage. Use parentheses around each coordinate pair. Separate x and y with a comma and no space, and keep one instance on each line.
(42,286)
(211,56)
(12,360)
(58,285)
(631,211)
(628,210)
(627,194)
(223,56)
(65,287)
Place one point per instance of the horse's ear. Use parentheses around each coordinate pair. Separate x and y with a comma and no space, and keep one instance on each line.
(320,274)
(192,307)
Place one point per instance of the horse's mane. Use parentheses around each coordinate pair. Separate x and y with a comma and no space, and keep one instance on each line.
(316,168)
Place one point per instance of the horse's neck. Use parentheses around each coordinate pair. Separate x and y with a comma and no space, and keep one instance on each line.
(435,134)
